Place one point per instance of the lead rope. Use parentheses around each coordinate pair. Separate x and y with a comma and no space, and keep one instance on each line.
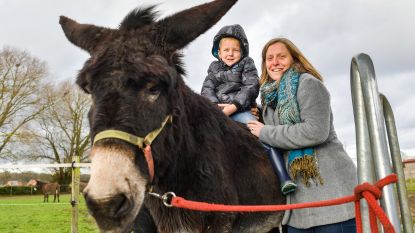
(367,191)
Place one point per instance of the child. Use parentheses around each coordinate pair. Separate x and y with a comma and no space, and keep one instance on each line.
(232,80)
(232,83)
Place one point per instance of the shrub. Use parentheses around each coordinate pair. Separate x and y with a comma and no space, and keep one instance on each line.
(18,190)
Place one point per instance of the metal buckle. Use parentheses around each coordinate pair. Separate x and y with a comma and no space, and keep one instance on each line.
(165,198)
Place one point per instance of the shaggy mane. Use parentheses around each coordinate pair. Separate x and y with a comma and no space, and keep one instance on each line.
(139,17)
(177,59)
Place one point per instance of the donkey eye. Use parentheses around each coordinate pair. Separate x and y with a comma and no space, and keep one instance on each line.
(154,90)
(153,93)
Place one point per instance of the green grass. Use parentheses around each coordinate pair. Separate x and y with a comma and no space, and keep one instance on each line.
(23,214)
(410,186)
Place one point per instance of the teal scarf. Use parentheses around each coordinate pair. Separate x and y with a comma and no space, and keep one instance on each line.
(283,97)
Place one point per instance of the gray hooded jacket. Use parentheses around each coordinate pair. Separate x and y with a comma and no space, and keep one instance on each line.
(237,84)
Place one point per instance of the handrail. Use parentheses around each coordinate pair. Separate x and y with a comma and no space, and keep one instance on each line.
(364,163)
(406,216)
(371,144)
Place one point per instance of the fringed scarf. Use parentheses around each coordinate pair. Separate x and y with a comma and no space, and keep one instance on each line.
(283,97)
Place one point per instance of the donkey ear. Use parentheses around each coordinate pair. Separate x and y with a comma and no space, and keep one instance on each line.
(178,30)
(85,36)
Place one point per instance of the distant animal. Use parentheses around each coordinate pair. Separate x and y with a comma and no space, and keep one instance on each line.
(134,77)
(47,188)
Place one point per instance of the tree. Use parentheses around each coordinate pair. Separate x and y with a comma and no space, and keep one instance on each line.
(21,78)
(64,128)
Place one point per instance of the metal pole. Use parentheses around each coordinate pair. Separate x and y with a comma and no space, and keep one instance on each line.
(397,165)
(365,167)
(377,134)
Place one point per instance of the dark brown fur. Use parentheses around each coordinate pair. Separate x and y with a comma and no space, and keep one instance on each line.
(48,188)
(134,76)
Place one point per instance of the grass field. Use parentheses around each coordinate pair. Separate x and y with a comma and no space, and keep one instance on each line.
(411,197)
(28,214)
(410,185)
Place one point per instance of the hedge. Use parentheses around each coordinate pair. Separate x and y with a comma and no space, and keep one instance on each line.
(18,190)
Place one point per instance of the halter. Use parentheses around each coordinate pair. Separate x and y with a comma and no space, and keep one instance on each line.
(142,143)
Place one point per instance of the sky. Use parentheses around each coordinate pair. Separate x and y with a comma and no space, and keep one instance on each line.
(328,32)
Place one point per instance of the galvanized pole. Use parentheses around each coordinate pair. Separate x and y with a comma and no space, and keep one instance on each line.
(397,165)
(365,168)
(377,135)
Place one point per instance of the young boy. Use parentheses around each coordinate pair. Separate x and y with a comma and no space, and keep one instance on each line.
(232,83)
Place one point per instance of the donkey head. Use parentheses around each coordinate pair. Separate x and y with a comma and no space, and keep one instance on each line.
(134,78)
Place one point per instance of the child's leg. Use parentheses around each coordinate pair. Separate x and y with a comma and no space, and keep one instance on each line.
(277,161)
(243,117)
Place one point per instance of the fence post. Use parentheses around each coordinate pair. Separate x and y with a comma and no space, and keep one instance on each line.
(75,194)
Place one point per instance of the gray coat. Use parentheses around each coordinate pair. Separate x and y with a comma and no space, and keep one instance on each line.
(238,84)
(316,130)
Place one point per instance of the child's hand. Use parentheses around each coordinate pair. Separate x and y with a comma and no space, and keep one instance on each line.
(222,106)
(228,109)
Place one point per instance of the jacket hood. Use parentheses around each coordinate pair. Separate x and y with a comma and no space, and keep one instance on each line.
(235,31)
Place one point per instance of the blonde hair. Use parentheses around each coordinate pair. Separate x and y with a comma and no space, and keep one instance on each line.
(231,39)
(300,63)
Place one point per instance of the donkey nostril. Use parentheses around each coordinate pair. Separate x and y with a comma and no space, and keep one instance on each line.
(93,206)
(85,195)
(120,205)
(114,206)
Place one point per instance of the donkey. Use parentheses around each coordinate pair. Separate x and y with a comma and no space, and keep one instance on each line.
(153,134)
(47,188)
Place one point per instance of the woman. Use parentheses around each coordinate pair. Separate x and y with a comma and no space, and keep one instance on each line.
(298,119)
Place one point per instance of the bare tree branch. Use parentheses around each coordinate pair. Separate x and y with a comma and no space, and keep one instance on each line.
(21,79)
(64,130)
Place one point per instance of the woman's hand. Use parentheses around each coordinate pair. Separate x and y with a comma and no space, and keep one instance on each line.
(255,127)
(228,109)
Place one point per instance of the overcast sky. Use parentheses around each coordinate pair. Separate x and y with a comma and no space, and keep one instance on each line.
(329,33)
